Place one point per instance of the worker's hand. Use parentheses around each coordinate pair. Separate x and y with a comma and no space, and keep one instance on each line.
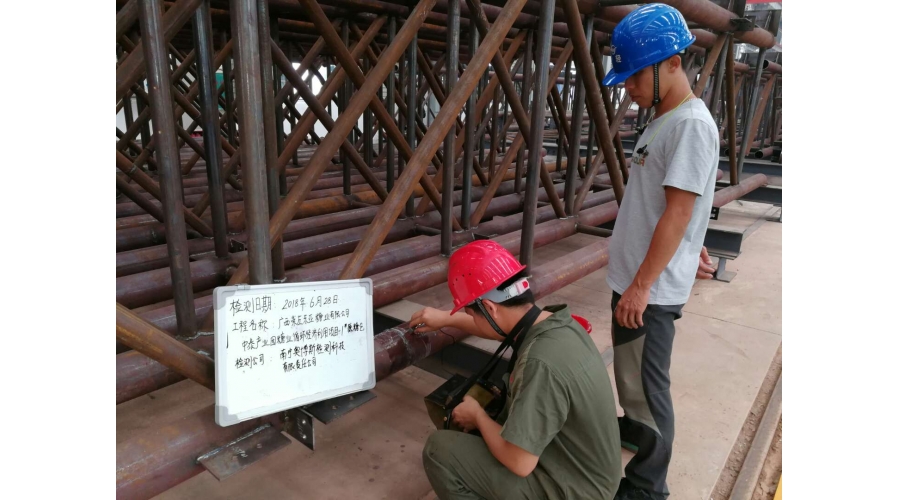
(466,413)
(705,269)
(630,309)
(429,320)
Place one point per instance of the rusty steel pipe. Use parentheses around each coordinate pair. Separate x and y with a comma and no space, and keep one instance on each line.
(731,111)
(430,143)
(343,125)
(154,286)
(253,144)
(135,376)
(168,160)
(764,153)
(149,465)
(133,67)
(731,193)
(595,101)
(395,284)
(159,346)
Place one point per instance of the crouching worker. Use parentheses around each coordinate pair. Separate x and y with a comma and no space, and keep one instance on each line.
(557,435)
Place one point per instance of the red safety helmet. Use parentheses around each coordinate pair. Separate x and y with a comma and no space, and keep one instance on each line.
(477,269)
(583,322)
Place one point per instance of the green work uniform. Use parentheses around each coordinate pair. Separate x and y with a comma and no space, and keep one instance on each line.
(560,407)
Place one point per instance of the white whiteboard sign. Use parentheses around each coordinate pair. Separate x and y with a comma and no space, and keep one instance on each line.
(287,345)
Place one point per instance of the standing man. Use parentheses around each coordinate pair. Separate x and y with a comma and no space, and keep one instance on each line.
(658,236)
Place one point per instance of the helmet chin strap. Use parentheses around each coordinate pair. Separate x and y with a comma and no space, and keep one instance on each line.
(488,317)
(656,99)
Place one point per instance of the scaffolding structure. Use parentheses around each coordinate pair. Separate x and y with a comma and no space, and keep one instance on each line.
(263,141)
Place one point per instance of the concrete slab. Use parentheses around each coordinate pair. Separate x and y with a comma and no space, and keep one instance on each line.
(753,298)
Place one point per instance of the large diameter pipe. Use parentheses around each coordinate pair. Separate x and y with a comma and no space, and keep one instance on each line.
(731,193)
(150,464)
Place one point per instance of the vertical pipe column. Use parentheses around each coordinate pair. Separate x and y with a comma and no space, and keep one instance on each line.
(411,107)
(146,135)
(228,82)
(538,107)
(526,86)
(168,161)
(392,31)
(481,141)
(747,132)
(592,131)
(470,143)
(575,129)
(253,161)
(368,135)
(731,112)
(505,121)
(209,109)
(126,104)
(712,99)
(452,73)
(563,113)
(279,108)
(495,130)
(273,190)
(342,105)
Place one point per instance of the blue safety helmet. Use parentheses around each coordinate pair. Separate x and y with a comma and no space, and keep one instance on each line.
(647,35)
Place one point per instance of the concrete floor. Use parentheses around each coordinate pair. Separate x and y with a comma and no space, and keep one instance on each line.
(724,344)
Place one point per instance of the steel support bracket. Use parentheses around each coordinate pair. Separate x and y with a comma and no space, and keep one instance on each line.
(299,425)
(332,409)
(721,274)
(726,245)
(245,451)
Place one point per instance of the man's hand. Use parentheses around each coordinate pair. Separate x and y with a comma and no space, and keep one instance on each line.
(705,269)
(466,414)
(630,309)
(429,320)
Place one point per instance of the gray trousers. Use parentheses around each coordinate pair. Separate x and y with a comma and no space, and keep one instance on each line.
(460,466)
(641,365)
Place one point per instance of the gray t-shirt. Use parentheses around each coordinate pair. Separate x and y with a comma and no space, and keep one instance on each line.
(683,153)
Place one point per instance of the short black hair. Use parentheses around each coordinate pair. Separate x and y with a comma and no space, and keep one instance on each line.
(526,298)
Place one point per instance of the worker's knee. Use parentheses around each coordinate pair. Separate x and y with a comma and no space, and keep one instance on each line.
(438,447)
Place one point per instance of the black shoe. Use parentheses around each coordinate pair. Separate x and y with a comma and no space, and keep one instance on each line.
(628,491)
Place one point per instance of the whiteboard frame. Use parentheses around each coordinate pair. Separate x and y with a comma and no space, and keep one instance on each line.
(221,294)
